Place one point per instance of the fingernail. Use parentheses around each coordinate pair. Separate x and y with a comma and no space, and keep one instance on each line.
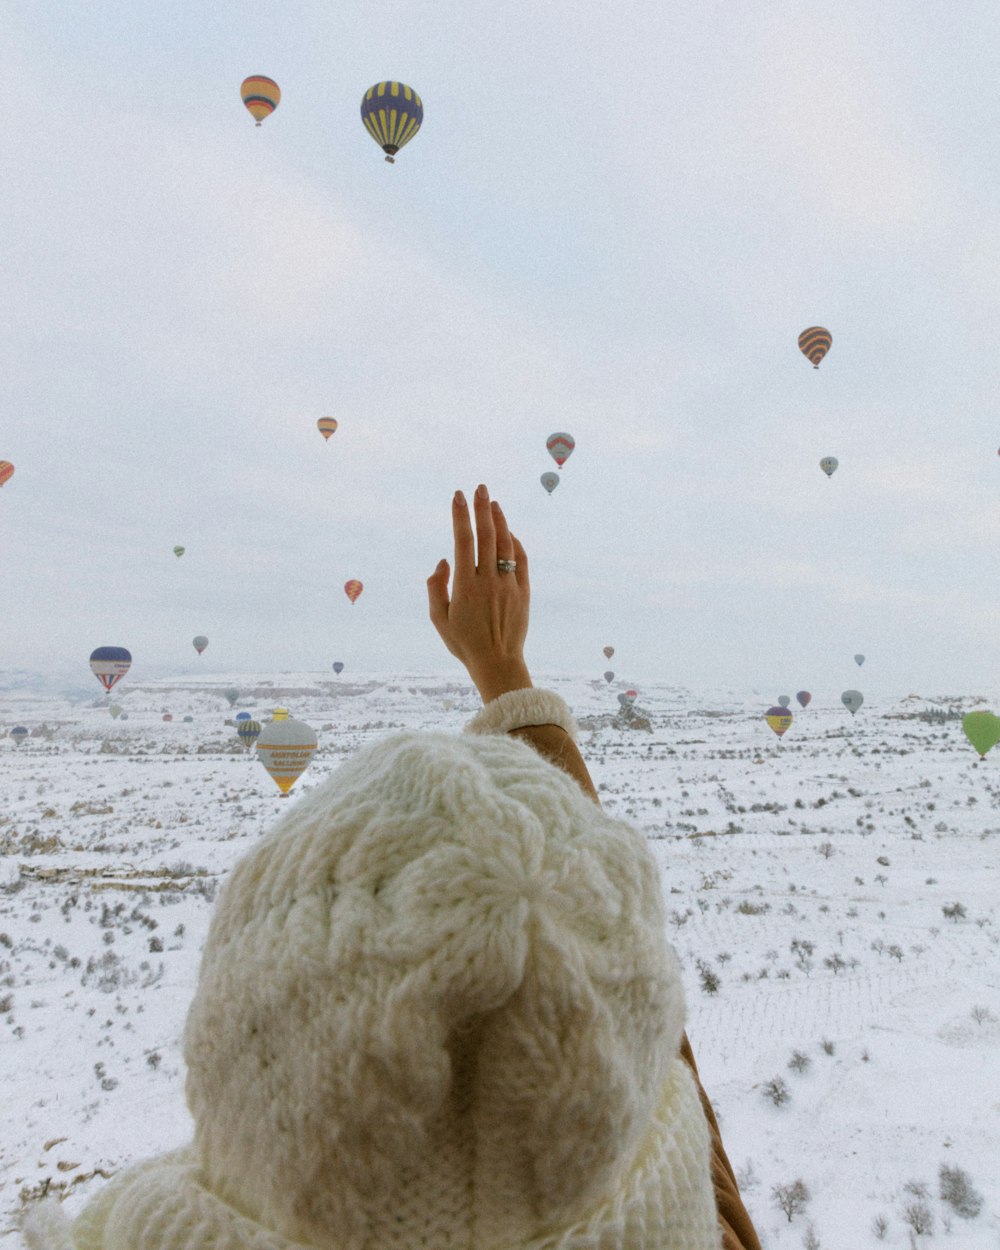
(460,499)
(482,492)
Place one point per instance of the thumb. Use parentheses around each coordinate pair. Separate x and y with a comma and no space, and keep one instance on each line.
(437,593)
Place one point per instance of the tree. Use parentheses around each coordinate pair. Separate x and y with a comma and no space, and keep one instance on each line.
(918,1216)
(709,980)
(957,1190)
(792,1199)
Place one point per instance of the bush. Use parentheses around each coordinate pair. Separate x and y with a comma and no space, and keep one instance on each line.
(918,1216)
(957,1191)
(799,1061)
(777,1091)
(955,912)
(880,1226)
(792,1199)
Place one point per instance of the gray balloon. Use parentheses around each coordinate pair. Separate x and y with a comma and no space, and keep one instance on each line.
(784,700)
(609,676)
(852,700)
(550,481)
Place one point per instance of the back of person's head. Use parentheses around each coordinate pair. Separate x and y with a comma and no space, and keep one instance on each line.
(437,1008)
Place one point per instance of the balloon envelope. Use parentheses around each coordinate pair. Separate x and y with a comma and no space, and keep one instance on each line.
(609,676)
(285,748)
(829,465)
(783,700)
(550,481)
(232,694)
(200,643)
(178,552)
(852,700)
(779,718)
(352,589)
(392,113)
(260,95)
(168,716)
(249,732)
(804,698)
(338,666)
(326,426)
(110,664)
(859,660)
(631,696)
(814,343)
(609,652)
(243,716)
(560,447)
(6,471)
(983,730)
(188,720)
(19,733)
(115,710)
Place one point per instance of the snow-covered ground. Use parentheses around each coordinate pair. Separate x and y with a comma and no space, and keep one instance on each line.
(809,875)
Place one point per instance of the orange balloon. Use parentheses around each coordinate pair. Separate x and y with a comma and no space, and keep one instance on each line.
(352,589)
(326,426)
(6,471)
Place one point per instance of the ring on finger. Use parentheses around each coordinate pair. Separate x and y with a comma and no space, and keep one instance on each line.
(506,566)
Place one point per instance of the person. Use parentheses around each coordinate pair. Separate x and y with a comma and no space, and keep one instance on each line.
(436,1008)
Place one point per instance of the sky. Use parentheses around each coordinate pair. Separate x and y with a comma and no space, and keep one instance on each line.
(615,221)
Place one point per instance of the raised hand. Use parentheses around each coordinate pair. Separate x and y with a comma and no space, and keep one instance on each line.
(485,620)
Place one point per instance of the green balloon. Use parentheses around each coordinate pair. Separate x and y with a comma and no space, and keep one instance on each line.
(983,730)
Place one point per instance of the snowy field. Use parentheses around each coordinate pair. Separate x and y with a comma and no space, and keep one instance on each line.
(807,885)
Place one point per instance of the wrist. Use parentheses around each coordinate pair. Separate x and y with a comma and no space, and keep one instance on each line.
(499,679)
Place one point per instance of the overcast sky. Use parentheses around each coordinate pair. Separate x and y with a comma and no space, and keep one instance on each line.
(615,221)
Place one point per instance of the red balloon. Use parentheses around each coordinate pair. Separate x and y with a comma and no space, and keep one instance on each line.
(352,589)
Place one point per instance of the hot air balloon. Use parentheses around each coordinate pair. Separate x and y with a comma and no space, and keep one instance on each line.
(983,731)
(110,664)
(608,652)
(326,426)
(199,643)
(352,589)
(285,748)
(178,552)
(623,699)
(609,676)
(188,720)
(779,718)
(392,113)
(6,471)
(168,716)
(124,716)
(231,695)
(249,732)
(631,696)
(804,698)
(115,710)
(560,447)
(241,716)
(338,666)
(783,700)
(852,700)
(859,660)
(260,95)
(550,481)
(19,733)
(829,465)
(814,343)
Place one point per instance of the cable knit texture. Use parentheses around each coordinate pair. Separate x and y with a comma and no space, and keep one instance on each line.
(436,1009)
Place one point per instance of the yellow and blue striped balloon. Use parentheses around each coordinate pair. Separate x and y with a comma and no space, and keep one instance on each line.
(261,96)
(392,113)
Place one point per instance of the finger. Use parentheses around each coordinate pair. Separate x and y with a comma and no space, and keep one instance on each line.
(521,556)
(485,533)
(437,594)
(465,546)
(505,547)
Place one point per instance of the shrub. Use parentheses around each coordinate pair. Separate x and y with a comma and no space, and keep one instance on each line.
(777,1091)
(918,1216)
(792,1199)
(958,1192)
(955,912)
(880,1226)
(799,1061)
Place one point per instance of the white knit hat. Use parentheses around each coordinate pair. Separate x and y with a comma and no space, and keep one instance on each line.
(436,1009)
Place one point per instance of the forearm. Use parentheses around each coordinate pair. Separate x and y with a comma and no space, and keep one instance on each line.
(559,749)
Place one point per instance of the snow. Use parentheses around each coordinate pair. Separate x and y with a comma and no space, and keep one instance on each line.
(114,836)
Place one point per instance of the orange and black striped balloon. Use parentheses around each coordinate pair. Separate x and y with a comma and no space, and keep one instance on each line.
(814,343)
